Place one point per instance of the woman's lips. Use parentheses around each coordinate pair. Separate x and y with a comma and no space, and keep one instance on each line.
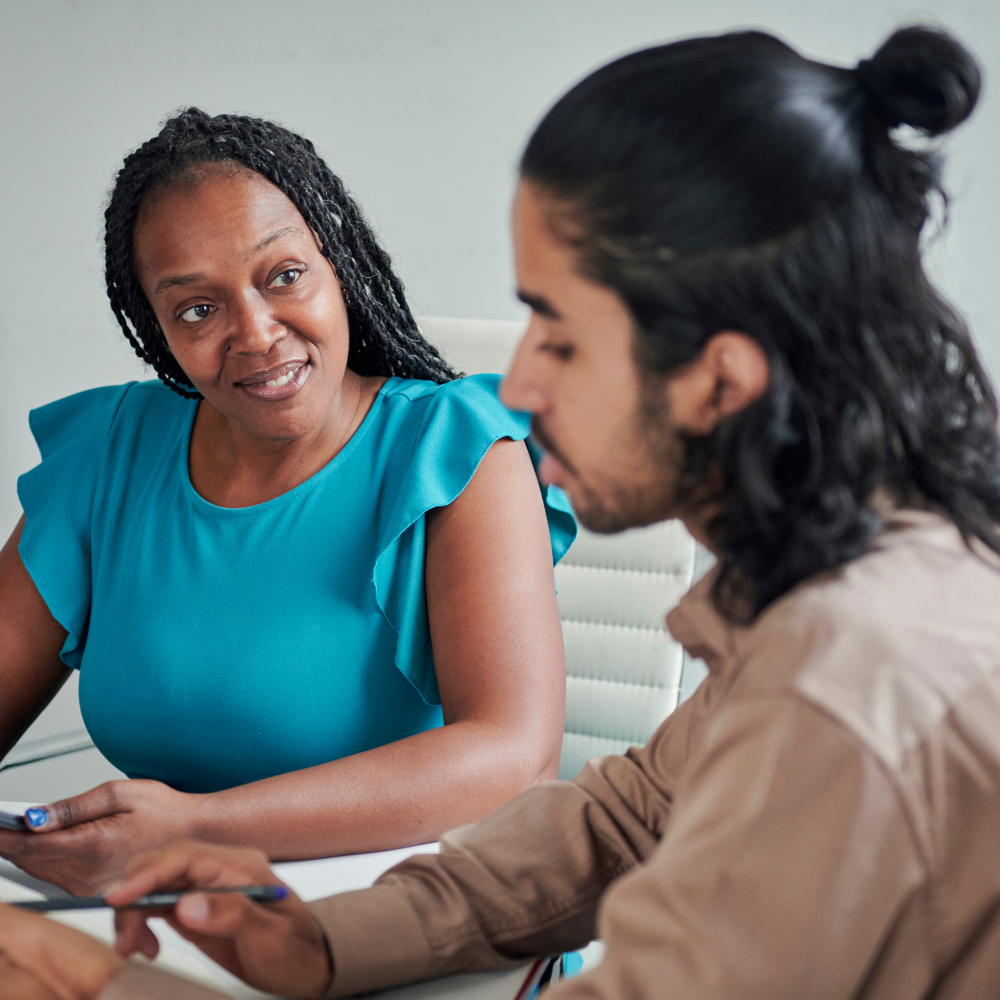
(271,391)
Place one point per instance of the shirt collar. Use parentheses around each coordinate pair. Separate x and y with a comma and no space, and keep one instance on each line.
(705,634)
(701,630)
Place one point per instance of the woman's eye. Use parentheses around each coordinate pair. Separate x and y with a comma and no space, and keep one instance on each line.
(286,278)
(196,313)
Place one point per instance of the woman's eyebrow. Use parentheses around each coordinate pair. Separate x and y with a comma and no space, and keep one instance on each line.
(189,279)
(176,279)
(276,235)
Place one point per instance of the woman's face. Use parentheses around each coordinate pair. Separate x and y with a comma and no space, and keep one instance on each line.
(251,309)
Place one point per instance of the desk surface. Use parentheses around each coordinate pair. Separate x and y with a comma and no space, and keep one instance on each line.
(311,880)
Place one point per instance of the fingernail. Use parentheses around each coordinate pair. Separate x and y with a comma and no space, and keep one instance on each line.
(36,818)
(194,908)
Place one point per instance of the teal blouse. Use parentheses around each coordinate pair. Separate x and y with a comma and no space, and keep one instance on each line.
(218,646)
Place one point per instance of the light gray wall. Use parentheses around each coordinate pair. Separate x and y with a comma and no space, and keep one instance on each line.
(421,105)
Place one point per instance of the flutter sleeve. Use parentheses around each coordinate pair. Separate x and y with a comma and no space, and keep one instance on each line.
(57,497)
(446,433)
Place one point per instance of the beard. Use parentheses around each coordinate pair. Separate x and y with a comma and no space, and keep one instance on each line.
(641,484)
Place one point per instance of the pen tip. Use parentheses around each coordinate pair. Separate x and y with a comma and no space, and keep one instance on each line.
(280,892)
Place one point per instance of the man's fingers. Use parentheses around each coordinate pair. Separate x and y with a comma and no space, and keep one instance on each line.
(133,935)
(101,801)
(222,916)
(190,864)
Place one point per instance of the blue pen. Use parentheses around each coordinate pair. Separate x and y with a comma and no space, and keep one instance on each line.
(154,901)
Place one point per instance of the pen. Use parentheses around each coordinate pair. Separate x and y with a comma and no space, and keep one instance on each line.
(258,893)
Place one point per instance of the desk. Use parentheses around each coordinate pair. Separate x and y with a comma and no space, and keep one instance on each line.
(311,880)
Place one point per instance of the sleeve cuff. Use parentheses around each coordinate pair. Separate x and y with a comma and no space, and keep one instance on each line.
(375,939)
(138,981)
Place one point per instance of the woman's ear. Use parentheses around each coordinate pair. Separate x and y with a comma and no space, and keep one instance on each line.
(730,373)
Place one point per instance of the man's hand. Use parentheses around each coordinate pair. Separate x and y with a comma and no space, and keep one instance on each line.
(44,960)
(83,844)
(276,947)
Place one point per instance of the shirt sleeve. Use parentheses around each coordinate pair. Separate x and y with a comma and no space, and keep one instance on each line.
(57,497)
(525,881)
(788,863)
(445,434)
(753,870)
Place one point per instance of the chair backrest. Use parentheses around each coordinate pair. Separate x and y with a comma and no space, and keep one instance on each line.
(623,670)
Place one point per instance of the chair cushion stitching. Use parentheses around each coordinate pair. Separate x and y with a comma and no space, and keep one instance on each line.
(608,680)
(635,628)
(625,569)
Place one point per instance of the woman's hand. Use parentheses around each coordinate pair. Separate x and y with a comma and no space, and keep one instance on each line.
(83,844)
(44,960)
(276,947)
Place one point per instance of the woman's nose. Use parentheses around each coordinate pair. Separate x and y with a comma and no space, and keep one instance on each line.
(254,330)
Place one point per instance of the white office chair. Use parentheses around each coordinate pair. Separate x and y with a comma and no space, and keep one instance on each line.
(623,671)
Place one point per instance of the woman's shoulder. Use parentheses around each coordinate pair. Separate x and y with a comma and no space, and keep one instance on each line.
(464,403)
(92,413)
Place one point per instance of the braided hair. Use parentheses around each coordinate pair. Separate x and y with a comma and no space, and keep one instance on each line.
(384,337)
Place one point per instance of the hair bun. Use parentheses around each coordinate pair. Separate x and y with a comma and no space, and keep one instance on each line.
(921,77)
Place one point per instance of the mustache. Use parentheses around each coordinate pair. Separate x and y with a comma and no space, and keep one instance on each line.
(546,443)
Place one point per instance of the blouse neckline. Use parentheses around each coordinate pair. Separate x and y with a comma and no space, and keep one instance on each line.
(184,460)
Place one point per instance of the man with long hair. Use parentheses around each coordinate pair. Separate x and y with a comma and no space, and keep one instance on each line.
(719,241)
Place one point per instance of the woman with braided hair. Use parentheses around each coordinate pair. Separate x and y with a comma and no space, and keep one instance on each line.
(306,575)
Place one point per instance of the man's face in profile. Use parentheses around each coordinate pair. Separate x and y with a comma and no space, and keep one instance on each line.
(606,430)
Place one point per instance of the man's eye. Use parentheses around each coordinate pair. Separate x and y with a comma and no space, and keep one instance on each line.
(286,278)
(195,313)
(564,352)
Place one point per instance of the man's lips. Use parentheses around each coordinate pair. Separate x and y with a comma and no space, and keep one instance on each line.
(272,374)
(549,470)
(554,460)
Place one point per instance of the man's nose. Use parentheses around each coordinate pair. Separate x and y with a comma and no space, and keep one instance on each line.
(253,329)
(525,385)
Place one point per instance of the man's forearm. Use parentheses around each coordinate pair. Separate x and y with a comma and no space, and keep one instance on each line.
(523,882)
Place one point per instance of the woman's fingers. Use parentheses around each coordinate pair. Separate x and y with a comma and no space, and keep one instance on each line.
(83,860)
(101,801)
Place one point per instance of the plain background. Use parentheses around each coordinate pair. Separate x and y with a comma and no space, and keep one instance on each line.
(422,106)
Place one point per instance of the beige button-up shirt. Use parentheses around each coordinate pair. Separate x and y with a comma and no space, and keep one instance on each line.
(820,820)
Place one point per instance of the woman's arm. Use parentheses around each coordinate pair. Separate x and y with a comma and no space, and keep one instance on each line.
(30,639)
(501,672)
(499,659)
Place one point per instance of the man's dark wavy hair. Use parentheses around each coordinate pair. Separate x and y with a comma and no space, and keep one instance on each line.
(384,338)
(728,183)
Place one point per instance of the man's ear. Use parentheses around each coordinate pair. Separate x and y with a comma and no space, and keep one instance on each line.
(730,373)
